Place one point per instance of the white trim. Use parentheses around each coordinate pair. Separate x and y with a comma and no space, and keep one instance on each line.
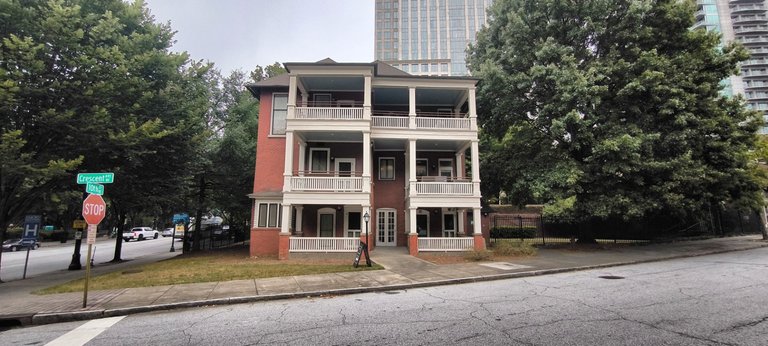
(256,212)
(337,161)
(326,211)
(327,159)
(448,232)
(417,166)
(352,209)
(440,167)
(379,227)
(394,168)
(272,115)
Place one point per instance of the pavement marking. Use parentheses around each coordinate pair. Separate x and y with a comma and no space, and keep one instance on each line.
(505,265)
(81,335)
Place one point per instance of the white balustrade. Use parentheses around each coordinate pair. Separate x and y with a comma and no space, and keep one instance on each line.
(334,113)
(350,184)
(323,244)
(389,121)
(444,188)
(446,244)
(442,123)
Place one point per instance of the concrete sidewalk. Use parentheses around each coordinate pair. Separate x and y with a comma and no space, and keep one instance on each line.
(401,272)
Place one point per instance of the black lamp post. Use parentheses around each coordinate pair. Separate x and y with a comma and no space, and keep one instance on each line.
(366,218)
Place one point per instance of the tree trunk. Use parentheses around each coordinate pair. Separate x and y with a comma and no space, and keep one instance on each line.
(119,237)
(199,215)
(763,222)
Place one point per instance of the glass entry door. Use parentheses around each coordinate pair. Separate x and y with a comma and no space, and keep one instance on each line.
(385,227)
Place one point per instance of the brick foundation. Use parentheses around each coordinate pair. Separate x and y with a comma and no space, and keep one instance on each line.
(479,242)
(264,242)
(284,246)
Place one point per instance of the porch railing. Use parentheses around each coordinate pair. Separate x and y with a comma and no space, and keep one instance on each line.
(444,188)
(323,244)
(353,184)
(332,113)
(446,244)
(442,123)
(389,122)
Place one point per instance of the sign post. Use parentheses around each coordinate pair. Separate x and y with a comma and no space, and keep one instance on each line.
(29,238)
(94,210)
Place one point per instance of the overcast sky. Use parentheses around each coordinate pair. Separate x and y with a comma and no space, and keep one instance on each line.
(244,33)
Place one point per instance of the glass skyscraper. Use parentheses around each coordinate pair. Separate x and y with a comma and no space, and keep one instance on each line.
(745,21)
(427,37)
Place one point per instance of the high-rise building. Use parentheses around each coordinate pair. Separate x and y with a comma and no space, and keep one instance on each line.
(746,22)
(428,37)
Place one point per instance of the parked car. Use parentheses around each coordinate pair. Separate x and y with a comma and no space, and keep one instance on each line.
(220,232)
(168,232)
(140,233)
(19,244)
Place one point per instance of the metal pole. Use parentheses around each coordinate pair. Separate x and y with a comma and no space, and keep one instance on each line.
(26,261)
(75,264)
(173,239)
(87,274)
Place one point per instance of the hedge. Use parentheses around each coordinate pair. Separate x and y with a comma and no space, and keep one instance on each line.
(513,232)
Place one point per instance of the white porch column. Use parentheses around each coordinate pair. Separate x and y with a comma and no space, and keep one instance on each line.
(412,167)
(460,213)
(460,165)
(412,108)
(475,168)
(367,161)
(367,98)
(472,110)
(285,228)
(302,157)
(412,229)
(476,221)
(288,161)
(299,215)
(291,97)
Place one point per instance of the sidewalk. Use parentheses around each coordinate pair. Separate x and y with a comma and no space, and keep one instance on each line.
(401,272)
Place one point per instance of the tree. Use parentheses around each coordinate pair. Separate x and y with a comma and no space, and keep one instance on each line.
(615,104)
(93,83)
(262,73)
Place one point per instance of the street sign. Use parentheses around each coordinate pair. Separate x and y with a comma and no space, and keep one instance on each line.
(94,189)
(79,224)
(94,209)
(179,227)
(31,226)
(91,234)
(100,178)
(180,218)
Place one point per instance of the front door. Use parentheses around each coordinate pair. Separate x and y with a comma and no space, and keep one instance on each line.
(326,222)
(422,224)
(385,227)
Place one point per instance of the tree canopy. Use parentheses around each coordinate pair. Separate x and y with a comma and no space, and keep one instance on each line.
(612,106)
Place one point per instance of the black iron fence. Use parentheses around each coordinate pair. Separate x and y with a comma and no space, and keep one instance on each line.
(535,228)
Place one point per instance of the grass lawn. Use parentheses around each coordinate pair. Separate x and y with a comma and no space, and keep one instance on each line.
(209,267)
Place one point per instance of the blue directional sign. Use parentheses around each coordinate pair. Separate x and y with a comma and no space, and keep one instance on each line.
(180,218)
(32,226)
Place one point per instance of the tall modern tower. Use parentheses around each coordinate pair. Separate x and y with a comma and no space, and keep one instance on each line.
(428,37)
(747,22)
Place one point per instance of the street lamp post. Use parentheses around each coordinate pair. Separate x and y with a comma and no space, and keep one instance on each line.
(366,218)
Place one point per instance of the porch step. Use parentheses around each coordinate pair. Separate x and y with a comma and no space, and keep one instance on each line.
(398,259)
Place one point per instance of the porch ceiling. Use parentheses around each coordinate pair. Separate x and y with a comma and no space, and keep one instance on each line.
(330,136)
(421,145)
(432,97)
(333,83)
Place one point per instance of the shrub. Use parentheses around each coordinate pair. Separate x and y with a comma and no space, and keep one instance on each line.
(478,255)
(513,232)
(512,248)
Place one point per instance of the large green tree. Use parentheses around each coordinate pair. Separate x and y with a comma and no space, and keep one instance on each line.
(92,85)
(612,105)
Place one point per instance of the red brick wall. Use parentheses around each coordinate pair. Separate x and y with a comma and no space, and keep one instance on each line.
(264,242)
(390,193)
(270,151)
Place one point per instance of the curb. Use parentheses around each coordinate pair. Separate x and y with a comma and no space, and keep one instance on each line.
(57,317)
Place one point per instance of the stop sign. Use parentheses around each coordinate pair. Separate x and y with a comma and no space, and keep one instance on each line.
(94,209)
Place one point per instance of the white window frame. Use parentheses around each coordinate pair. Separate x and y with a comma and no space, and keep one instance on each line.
(337,161)
(394,168)
(440,167)
(352,233)
(449,233)
(277,221)
(315,102)
(326,211)
(426,165)
(272,115)
(327,159)
(379,230)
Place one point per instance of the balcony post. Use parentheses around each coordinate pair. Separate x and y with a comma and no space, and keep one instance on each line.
(367,98)
(285,227)
(411,108)
(475,168)
(472,110)
(292,97)
(460,215)
(412,228)
(302,156)
(288,161)
(299,214)
(460,164)
(412,166)
(367,161)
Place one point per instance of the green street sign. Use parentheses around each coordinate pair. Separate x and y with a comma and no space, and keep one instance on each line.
(100,178)
(94,189)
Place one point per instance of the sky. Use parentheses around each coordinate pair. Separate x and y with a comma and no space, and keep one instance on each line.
(240,34)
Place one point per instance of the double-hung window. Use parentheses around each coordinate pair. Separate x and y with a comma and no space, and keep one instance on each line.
(386,168)
(279,113)
(268,215)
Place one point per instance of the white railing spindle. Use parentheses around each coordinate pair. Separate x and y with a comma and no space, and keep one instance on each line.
(323,244)
(446,244)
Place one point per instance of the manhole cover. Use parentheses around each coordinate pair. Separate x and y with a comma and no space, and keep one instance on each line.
(132,271)
(611,277)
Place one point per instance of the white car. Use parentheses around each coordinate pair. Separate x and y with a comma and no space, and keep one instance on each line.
(140,233)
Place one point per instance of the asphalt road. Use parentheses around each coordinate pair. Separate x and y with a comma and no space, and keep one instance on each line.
(711,300)
(52,257)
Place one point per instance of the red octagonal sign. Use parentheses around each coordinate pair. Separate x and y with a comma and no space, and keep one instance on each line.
(94,209)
